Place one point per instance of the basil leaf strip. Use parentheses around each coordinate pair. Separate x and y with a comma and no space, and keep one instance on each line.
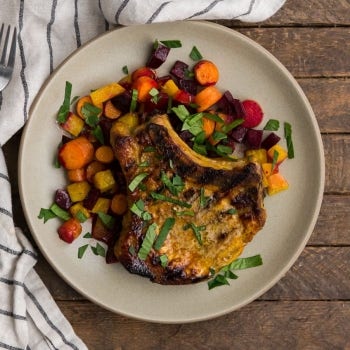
(136,181)
(171,44)
(59,212)
(166,228)
(175,185)
(46,214)
(133,103)
(195,54)
(147,242)
(82,250)
(272,125)
(244,263)
(288,136)
(161,197)
(196,230)
(91,113)
(64,109)
(227,128)
(106,219)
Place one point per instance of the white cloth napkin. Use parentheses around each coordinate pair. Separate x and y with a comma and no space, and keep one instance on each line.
(48,31)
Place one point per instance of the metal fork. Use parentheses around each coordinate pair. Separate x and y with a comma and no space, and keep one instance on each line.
(6,68)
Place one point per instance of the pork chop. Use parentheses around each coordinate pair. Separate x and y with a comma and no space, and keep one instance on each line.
(208,209)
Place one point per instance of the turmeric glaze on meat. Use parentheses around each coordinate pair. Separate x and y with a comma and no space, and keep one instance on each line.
(217,211)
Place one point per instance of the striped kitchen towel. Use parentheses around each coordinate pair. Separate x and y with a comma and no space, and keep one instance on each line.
(48,31)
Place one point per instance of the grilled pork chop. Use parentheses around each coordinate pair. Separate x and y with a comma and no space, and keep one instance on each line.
(215,206)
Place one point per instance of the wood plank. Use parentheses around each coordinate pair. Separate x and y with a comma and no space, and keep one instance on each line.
(319,273)
(304,13)
(330,101)
(337,150)
(312,277)
(316,52)
(267,325)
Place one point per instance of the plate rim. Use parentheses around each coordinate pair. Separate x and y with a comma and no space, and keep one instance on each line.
(307,231)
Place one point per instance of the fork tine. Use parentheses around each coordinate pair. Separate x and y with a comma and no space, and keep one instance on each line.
(12,56)
(3,56)
(1,31)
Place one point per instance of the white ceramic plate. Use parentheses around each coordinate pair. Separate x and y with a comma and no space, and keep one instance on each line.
(248,71)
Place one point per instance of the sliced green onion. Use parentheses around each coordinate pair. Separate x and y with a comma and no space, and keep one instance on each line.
(133,103)
(195,55)
(136,181)
(171,44)
(272,125)
(81,216)
(234,124)
(161,197)
(218,136)
(64,109)
(166,228)
(163,260)
(148,241)
(288,136)
(46,214)
(59,212)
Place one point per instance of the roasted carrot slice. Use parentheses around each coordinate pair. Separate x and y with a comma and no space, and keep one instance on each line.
(207,97)
(81,102)
(110,111)
(208,126)
(104,154)
(144,85)
(76,153)
(119,204)
(76,175)
(93,168)
(206,73)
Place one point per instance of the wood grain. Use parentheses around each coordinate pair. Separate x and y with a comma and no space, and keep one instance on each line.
(267,325)
(305,13)
(307,52)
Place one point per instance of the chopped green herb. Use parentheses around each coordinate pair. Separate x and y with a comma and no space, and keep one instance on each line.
(201,149)
(98,133)
(195,55)
(148,241)
(64,109)
(223,150)
(171,164)
(161,197)
(218,136)
(154,95)
(231,211)
(274,160)
(203,200)
(91,114)
(171,44)
(189,74)
(81,216)
(174,185)
(288,136)
(166,228)
(61,213)
(144,164)
(75,98)
(99,250)
(163,260)
(196,230)
(125,70)
(82,250)
(106,219)
(138,208)
(200,138)
(227,128)
(87,235)
(272,125)
(56,162)
(181,112)
(193,123)
(133,103)
(227,271)
(185,213)
(46,214)
(136,181)
(213,116)
(132,250)
(170,104)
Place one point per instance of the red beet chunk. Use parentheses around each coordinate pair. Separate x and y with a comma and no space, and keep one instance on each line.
(158,56)
(91,198)
(159,104)
(188,85)
(270,140)
(253,138)
(179,69)
(62,199)
(238,133)
(230,105)
(122,101)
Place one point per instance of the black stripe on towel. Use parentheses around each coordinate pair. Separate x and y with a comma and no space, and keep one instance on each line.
(6,212)
(9,347)
(16,252)
(250,8)
(120,9)
(11,314)
(48,32)
(40,309)
(23,60)
(5,177)
(76,23)
(206,10)
(157,12)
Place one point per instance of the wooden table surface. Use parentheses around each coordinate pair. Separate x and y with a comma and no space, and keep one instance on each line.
(310,307)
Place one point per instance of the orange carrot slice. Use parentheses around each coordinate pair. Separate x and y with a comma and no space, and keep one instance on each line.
(206,73)
(207,97)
